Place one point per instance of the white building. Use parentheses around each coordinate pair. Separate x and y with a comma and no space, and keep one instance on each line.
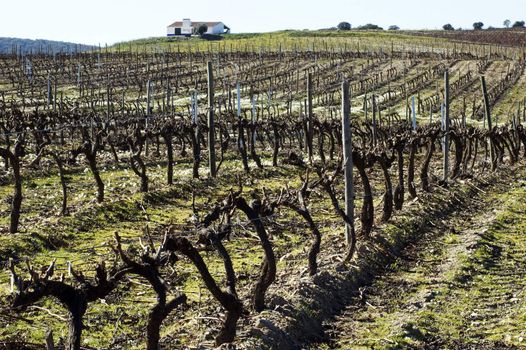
(187,28)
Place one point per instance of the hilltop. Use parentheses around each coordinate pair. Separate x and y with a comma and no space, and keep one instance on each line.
(306,38)
(8,45)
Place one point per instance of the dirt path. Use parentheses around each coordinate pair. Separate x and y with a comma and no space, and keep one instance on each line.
(462,286)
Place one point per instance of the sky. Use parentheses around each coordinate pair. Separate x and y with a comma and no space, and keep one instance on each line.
(109,21)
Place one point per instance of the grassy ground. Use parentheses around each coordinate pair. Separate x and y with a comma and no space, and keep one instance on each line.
(82,238)
(118,322)
(288,39)
(461,287)
(362,40)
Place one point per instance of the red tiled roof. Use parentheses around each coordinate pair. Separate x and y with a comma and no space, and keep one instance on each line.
(179,24)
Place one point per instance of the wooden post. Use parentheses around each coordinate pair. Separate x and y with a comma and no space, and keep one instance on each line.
(347,161)
(211,124)
(253,102)
(365,107)
(55,95)
(123,103)
(406,98)
(519,113)
(446,125)
(253,119)
(487,109)
(238,93)
(50,344)
(168,95)
(148,97)
(523,113)
(148,112)
(309,115)
(374,119)
(194,103)
(49,90)
(61,104)
(108,102)
(413,111)
(79,78)
(515,131)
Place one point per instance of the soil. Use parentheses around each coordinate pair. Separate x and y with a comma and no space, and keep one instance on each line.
(460,286)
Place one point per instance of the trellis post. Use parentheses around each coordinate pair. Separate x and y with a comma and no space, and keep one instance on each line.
(211,123)
(446,126)
(413,110)
(310,130)
(374,119)
(487,109)
(347,161)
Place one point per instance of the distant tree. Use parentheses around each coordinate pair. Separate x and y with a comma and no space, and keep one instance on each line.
(394,27)
(203,28)
(370,26)
(448,27)
(478,25)
(507,23)
(519,24)
(344,26)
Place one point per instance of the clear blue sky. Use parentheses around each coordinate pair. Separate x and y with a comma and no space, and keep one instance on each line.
(109,21)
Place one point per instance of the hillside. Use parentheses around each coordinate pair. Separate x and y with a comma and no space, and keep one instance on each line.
(7,45)
(352,39)
(286,40)
(186,194)
(318,39)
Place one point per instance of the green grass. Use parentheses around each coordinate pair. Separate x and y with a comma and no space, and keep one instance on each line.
(456,288)
(290,40)
(84,238)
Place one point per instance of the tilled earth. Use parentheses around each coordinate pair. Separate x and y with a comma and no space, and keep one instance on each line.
(461,286)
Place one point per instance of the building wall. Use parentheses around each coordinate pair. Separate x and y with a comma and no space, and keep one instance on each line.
(175,31)
(218,29)
(187,27)
(188,30)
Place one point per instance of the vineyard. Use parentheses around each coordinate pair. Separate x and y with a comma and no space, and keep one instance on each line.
(199,195)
